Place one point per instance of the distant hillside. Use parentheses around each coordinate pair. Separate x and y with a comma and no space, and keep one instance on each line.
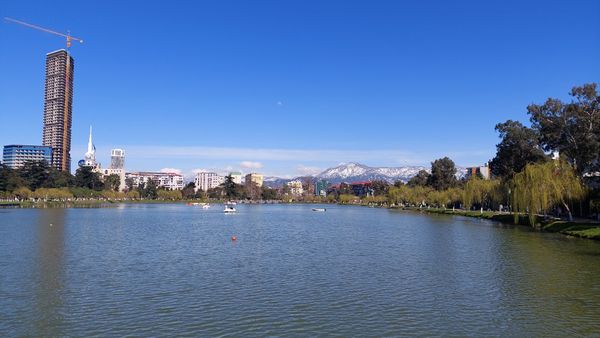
(352,172)
(355,172)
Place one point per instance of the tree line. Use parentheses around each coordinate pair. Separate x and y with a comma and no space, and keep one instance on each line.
(38,180)
(229,190)
(549,168)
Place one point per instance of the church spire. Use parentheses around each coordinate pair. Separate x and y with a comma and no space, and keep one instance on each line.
(90,148)
(90,156)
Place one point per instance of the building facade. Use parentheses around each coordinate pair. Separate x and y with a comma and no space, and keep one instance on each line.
(119,172)
(321,188)
(256,178)
(236,177)
(362,189)
(117,159)
(483,171)
(171,181)
(58,103)
(15,155)
(207,180)
(295,187)
(117,166)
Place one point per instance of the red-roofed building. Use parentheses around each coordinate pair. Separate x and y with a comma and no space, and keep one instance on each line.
(359,189)
(362,189)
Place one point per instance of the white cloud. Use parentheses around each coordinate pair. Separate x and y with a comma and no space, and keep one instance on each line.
(221,171)
(251,165)
(306,170)
(170,170)
(271,154)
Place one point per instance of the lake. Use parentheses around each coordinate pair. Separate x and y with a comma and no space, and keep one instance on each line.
(172,269)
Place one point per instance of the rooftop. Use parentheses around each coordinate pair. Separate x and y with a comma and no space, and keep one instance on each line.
(25,145)
(58,50)
(153,173)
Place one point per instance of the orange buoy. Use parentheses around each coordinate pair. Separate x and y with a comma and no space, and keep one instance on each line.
(233,238)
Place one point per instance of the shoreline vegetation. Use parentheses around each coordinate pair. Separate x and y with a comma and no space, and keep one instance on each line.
(581,228)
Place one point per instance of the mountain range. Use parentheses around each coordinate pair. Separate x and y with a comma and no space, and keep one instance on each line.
(356,172)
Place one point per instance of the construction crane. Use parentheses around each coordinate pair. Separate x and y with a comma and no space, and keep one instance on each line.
(68,35)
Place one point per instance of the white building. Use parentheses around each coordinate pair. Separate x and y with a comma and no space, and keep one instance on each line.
(237,177)
(295,187)
(208,180)
(171,181)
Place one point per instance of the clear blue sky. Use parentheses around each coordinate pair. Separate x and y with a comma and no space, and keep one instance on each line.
(291,87)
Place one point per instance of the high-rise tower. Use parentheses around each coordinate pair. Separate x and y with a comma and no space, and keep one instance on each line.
(117,166)
(58,102)
(117,159)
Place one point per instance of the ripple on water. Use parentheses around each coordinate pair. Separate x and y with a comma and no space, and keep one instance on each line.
(172,270)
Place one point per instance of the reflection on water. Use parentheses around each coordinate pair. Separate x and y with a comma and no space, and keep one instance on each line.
(50,272)
(152,270)
(55,205)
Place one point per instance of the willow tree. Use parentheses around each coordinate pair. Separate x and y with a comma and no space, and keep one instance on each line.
(482,192)
(52,193)
(399,195)
(541,187)
(456,196)
(438,198)
(418,196)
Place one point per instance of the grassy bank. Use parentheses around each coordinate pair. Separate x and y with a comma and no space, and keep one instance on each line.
(583,230)
(577,229)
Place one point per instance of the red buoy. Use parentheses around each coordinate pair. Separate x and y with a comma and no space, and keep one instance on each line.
(233,238)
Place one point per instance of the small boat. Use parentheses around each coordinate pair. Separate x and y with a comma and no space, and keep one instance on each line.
(319,209)
(230,203)
(229,209)
(206,206)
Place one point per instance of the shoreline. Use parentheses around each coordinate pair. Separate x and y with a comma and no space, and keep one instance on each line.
(587,230)
(96,202)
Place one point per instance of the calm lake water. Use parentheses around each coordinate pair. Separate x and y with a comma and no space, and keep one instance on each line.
(149,270)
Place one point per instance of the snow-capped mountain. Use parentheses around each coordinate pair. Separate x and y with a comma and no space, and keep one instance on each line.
(356,172)
(351,172)
(276,182)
